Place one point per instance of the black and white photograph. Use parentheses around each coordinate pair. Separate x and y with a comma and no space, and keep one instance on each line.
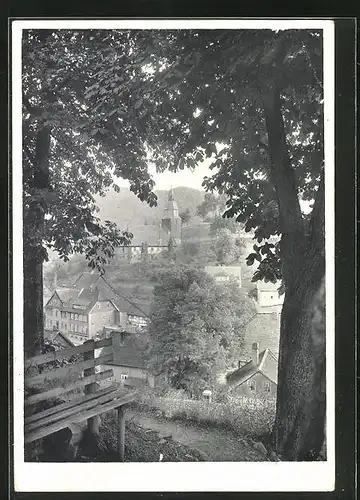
(173,221)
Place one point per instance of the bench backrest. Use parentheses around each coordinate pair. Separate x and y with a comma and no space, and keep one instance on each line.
(84,370)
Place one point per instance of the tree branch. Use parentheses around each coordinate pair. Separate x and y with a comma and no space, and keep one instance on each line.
(317,221)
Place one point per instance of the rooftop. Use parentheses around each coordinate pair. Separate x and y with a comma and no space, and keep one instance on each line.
(131,354)
(92,287)
(242,374)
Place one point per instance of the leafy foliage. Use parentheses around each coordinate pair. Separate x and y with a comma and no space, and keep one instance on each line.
(208,205)
(78,163)
(185,216)
(224,247)
(208,87)
(195,327)
(219,222)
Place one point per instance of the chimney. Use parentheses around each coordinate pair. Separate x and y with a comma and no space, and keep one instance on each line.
(55,280)
(255,353)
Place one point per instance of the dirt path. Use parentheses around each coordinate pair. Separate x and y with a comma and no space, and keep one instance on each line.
(218,445)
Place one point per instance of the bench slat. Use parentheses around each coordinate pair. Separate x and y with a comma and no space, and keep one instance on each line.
(66,353)
(68,404)
(79,405)
(68,370)
(79,417)
(57,391)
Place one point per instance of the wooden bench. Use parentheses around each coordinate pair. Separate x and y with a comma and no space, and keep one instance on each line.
(87,406)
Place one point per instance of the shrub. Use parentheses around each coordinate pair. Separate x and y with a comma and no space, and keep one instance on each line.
(250,416)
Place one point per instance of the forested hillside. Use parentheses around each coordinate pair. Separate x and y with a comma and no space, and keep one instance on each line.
(125,208)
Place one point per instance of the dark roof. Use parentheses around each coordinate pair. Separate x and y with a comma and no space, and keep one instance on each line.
(132,308)
(138,383)
(92,287)
(53,335)
(86,280)
(130,354)
(65,294)
(242,374)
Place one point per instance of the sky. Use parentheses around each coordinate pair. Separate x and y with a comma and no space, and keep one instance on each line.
(166,180)
(186,177)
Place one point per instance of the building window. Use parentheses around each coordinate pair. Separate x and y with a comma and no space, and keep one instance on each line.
(252,385)
(267,386)
(123,376)
(65,326)
(56,313)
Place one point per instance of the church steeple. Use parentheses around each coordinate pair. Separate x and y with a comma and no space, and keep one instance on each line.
(171,221)
(171,209)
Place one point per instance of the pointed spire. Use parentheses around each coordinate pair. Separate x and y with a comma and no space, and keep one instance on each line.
(171,194)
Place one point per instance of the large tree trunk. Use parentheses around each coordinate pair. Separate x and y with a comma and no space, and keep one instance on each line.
(33,306)
(300,414)
(33,247)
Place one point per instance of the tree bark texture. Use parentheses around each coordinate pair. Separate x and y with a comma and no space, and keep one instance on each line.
(300,413)
(33,252)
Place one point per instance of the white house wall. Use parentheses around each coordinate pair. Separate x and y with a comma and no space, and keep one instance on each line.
(102,314)
(131,372)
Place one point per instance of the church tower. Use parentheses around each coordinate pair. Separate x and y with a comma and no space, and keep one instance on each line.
(171,222)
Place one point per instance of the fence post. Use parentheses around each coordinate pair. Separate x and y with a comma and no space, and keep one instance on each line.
(93,423)
(121,433)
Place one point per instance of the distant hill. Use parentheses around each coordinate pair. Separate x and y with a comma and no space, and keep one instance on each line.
(125,208)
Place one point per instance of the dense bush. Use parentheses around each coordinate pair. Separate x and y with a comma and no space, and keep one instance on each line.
(251,416)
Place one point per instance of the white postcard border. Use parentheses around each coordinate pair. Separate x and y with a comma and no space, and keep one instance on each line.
(219,476)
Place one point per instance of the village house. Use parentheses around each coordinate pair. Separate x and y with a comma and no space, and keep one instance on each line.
(128,363)
(80,312)
(264,326)
(223,274)
(267,295)
(257,377)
